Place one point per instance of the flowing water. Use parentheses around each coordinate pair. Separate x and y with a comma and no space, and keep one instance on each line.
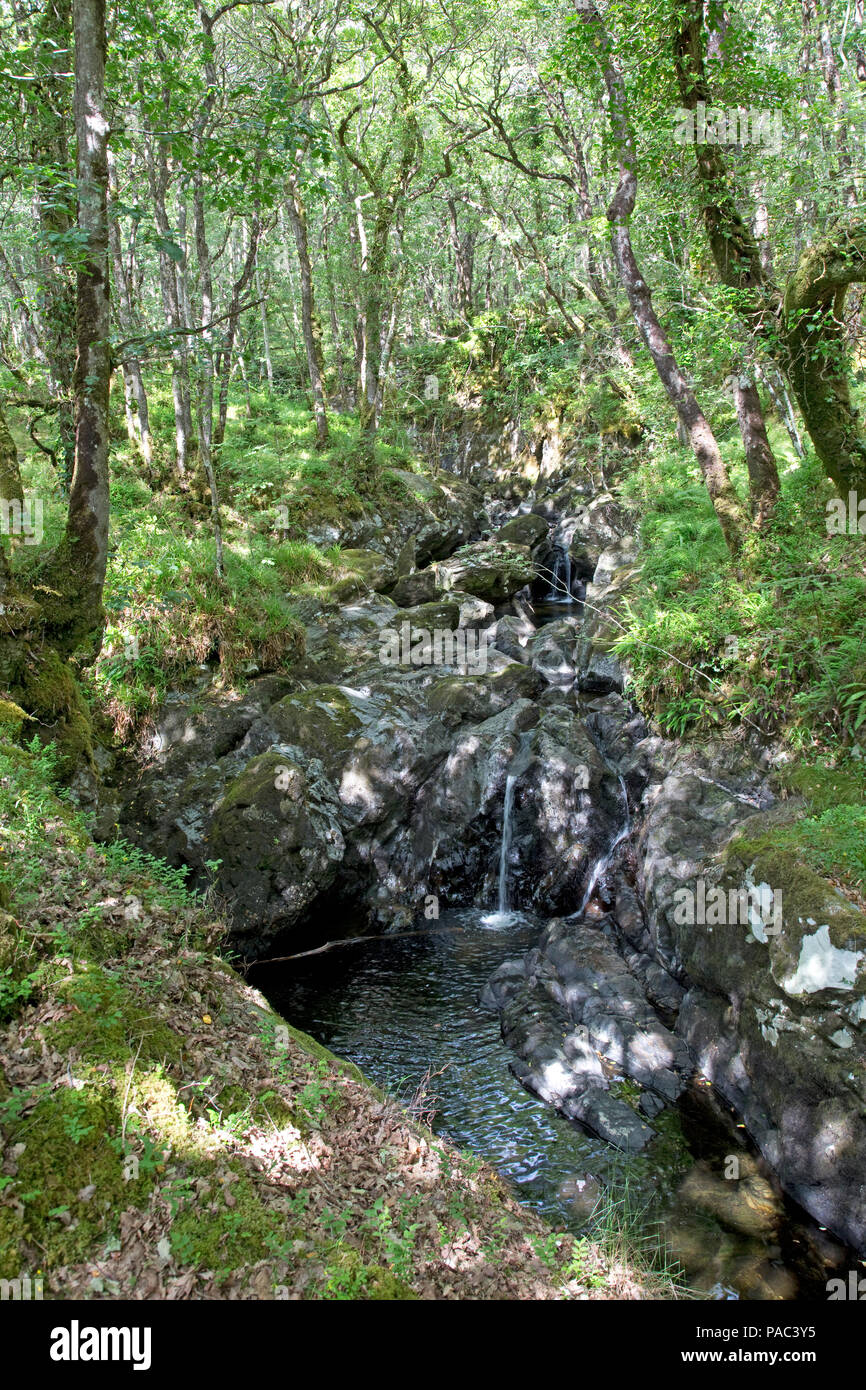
(406,1011)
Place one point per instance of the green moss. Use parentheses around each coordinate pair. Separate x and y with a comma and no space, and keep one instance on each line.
(806,894)
(231,1236)
(12,718)
(109,1023)
(69,1188)
(47,689)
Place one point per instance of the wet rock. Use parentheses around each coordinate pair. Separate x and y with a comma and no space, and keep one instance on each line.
(513,636)
(747,1203)
(570,1006)
(611,1119)
(763,1006)
(583,1194)
(553,652)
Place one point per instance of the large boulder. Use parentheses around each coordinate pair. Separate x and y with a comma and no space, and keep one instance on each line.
(527,530)
(569,1003)
(276,832)
(488,570)
(775,963)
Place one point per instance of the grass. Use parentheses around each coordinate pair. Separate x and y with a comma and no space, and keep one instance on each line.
(167,613)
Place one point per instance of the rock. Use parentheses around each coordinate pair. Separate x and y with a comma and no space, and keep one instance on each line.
(365,571)
(583,1194)
(567,1004)
(475,613)
(487,570)
(611,1119)
(513,636)
(431,616)
(553,652)
(413,589)
(527,530)
(748,1203)
(762,1010)
(278,853)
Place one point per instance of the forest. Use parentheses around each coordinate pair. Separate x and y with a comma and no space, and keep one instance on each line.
(432,651)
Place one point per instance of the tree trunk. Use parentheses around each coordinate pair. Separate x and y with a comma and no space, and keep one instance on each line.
(171,307)
(815,335)
(463,247)
(135,394)
(206,371)
(726,503)
(778,393)
(78,570)
(227,349)
(311,327)
(11,489)
(763,474)
(266,336)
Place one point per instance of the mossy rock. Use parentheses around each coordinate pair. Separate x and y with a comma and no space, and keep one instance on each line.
(364,570)
(322,721)
(109,1023)
(806,895)
(527,530)
(430,616)
(232,1236)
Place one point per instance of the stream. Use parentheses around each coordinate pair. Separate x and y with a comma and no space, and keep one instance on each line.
(512,801)
(406,1011)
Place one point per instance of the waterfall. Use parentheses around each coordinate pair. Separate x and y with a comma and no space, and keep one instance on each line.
(605,860)
(560,584)
(503,915)
(505,846)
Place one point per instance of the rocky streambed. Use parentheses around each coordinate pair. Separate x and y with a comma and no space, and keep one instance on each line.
(463,667)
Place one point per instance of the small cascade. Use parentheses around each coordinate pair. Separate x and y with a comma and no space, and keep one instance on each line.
(504,916)
(604,861)
(560,584)
(506,845)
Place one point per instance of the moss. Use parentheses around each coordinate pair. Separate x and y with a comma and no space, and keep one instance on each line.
(348,1277)
(70,1181)
(806,894)
(48,690)
(108,1022)
(12,718)
(229,1237)
(263,1109)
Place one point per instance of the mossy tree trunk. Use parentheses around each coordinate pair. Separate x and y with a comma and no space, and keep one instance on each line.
(819,356)
(738,261)
(10,489)
(77,571)
(310,324)
(805,330)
